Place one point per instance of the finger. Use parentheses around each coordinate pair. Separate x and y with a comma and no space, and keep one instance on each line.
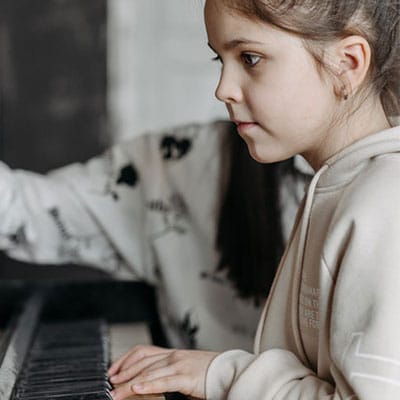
(115,366)
(146,363)
(170,383)
(161,377)
(132,356)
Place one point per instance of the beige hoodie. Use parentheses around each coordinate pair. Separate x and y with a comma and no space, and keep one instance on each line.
(331,325)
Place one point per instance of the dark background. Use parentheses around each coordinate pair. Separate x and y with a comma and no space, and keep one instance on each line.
(53,83)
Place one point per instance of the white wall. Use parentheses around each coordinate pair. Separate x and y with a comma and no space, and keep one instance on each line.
(160,73)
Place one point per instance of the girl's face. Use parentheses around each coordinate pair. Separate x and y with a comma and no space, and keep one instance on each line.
(271,86)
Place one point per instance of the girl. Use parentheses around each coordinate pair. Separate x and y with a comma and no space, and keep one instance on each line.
(319,79)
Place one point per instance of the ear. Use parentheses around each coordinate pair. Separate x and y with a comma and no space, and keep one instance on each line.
(353,59)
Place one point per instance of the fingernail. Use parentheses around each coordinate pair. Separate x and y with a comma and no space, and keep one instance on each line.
(113,378)
(112,393)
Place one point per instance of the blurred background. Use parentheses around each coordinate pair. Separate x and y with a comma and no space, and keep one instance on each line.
(79,75)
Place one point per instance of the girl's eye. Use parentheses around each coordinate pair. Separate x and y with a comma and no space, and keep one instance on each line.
(250,59)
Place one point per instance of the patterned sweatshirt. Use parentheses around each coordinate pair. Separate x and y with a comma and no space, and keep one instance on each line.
(144,210)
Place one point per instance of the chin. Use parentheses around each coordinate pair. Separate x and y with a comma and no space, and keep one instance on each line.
(256,156)
(259,155)
(259,150)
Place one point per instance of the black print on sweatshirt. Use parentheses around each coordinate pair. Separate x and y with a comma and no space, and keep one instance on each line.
(72,245)
(18,237)
(55,213)
(214,277)
(128,176)
(190,330)
(173,148)
(173,212)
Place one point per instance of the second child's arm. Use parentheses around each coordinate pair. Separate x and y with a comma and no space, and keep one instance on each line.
(44,220)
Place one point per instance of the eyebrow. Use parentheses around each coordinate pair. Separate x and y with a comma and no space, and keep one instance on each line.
(235,43)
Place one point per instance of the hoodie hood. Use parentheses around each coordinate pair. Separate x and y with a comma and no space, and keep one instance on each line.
(341,167)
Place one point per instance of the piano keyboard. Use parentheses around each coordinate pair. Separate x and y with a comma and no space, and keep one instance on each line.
(65,359)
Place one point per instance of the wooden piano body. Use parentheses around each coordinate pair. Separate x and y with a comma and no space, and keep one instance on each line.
(125,312)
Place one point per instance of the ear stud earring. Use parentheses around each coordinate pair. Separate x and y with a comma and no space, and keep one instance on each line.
(345,94)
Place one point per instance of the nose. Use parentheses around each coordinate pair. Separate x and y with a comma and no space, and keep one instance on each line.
(228,90)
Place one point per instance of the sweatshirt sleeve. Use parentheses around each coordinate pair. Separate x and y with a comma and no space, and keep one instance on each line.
(76,214)
(91,213)
(274,374)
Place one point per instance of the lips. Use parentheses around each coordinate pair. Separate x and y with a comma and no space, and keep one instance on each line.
(245,126)
(239,122)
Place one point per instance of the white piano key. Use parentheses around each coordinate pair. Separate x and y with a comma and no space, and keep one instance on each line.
(122,338)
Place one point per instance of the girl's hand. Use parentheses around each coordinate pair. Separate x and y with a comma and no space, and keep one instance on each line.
(150,369)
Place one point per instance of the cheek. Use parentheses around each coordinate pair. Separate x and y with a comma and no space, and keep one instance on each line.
(277,105)
(315,93)
(317,110)
(276,93)
(288,101)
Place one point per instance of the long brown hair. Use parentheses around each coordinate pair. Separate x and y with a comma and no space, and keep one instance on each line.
(249,236)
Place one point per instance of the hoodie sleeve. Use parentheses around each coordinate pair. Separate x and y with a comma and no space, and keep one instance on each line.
(274,374)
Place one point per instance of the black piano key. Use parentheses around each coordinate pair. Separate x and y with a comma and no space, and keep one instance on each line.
(175,396)
(60,384)
(68,360)
(33,379)
(47,390)
(72,396)
(62,371)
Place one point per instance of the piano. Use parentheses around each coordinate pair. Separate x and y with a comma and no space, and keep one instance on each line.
(58,339)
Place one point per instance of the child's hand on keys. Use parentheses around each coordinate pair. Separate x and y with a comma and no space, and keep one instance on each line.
(151,369)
